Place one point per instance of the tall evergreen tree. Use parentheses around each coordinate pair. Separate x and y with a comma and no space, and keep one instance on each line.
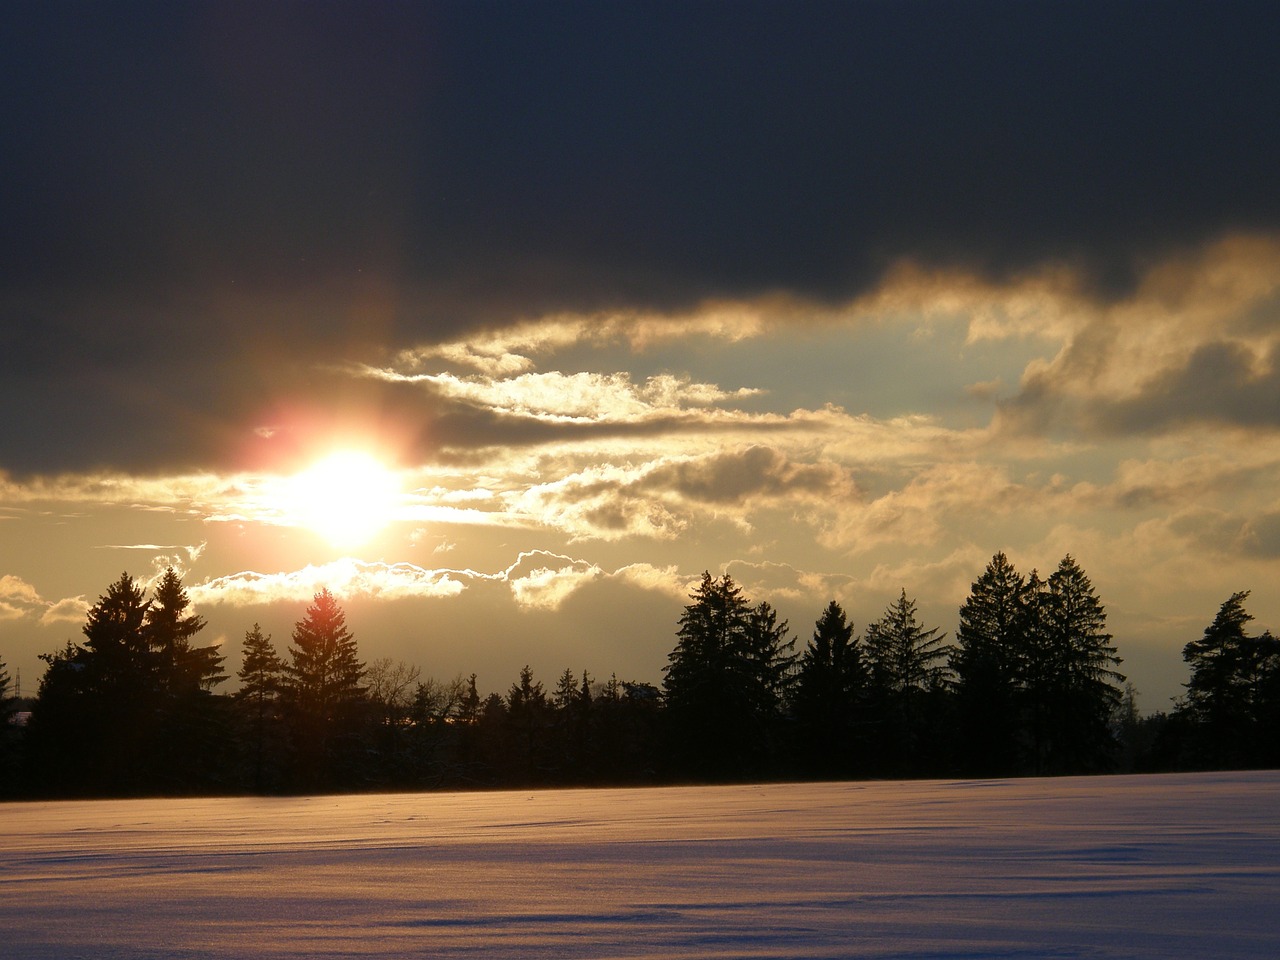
(986,664)
(1233,694)
(324,696)
(529,721)
(181,668)
(8,736)
(1082,687)
(8,700)
(120,662)
(725,682)
(769,653)
(262,679)
(572,702)
(901,655)
(907,666)
(6,696)
(93,726)
(829,694)
(190,731)
(1040,666)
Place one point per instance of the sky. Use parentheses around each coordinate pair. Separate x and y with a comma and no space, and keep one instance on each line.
(1115,868)
(506,321)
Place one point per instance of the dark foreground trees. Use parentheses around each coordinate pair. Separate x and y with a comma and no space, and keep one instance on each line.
(260,717)
(726,683)
(323,697)
(1030,686)
(1230,716)
(908,679)
(131,709)
(1036,684)
(8,734)
(829,702)
(986,665)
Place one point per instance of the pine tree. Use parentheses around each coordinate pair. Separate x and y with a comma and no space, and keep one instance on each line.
(324,696)
(528,717)
(566,691)
(324,669)
(986,663)
(725,682)
(572,701)
(901,655)
(8,700)
(8,703)
(262,678)
(829,694)
(93,726)
(261,672)
(190,726)
(906,664)
(769,655)
(469,711)
(1233,694)
(119,660)
(1039,663)
(120,673)
(1082,686)
(181,668)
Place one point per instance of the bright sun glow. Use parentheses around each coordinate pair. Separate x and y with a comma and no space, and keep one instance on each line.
(347,497)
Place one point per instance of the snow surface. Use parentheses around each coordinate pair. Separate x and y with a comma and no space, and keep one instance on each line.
(1158,866)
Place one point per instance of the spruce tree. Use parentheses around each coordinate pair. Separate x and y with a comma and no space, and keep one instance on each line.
(262,679)
(119,661)
(1233,694)
(906,665)
(529,719)
(986,663)
(8,736)
(725,682)
(901,655)
(1082,687)
(829,694)
(182,669)
(190,735)
(324,669)
(93,726)
(323,695)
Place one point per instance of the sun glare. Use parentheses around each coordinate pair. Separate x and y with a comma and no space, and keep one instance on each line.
(347,497)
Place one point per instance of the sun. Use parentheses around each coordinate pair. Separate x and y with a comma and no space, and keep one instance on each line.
(347,497)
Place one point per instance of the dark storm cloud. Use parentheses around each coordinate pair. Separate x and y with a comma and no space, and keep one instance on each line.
(197,198)
(1219,383)
(1229,534)
(756,471)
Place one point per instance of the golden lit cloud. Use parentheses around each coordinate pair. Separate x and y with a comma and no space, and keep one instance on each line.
(19,600)
(67,610)
(512,349)
(579,396)
(345,578)
(545,587)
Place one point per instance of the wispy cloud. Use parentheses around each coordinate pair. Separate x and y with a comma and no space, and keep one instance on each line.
(578,396)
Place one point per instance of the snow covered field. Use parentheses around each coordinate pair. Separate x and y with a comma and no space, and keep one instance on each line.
(1161,866)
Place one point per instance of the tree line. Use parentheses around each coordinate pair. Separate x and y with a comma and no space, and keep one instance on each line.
(1028,685)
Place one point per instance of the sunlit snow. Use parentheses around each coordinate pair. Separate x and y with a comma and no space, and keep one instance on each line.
(1159,866)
